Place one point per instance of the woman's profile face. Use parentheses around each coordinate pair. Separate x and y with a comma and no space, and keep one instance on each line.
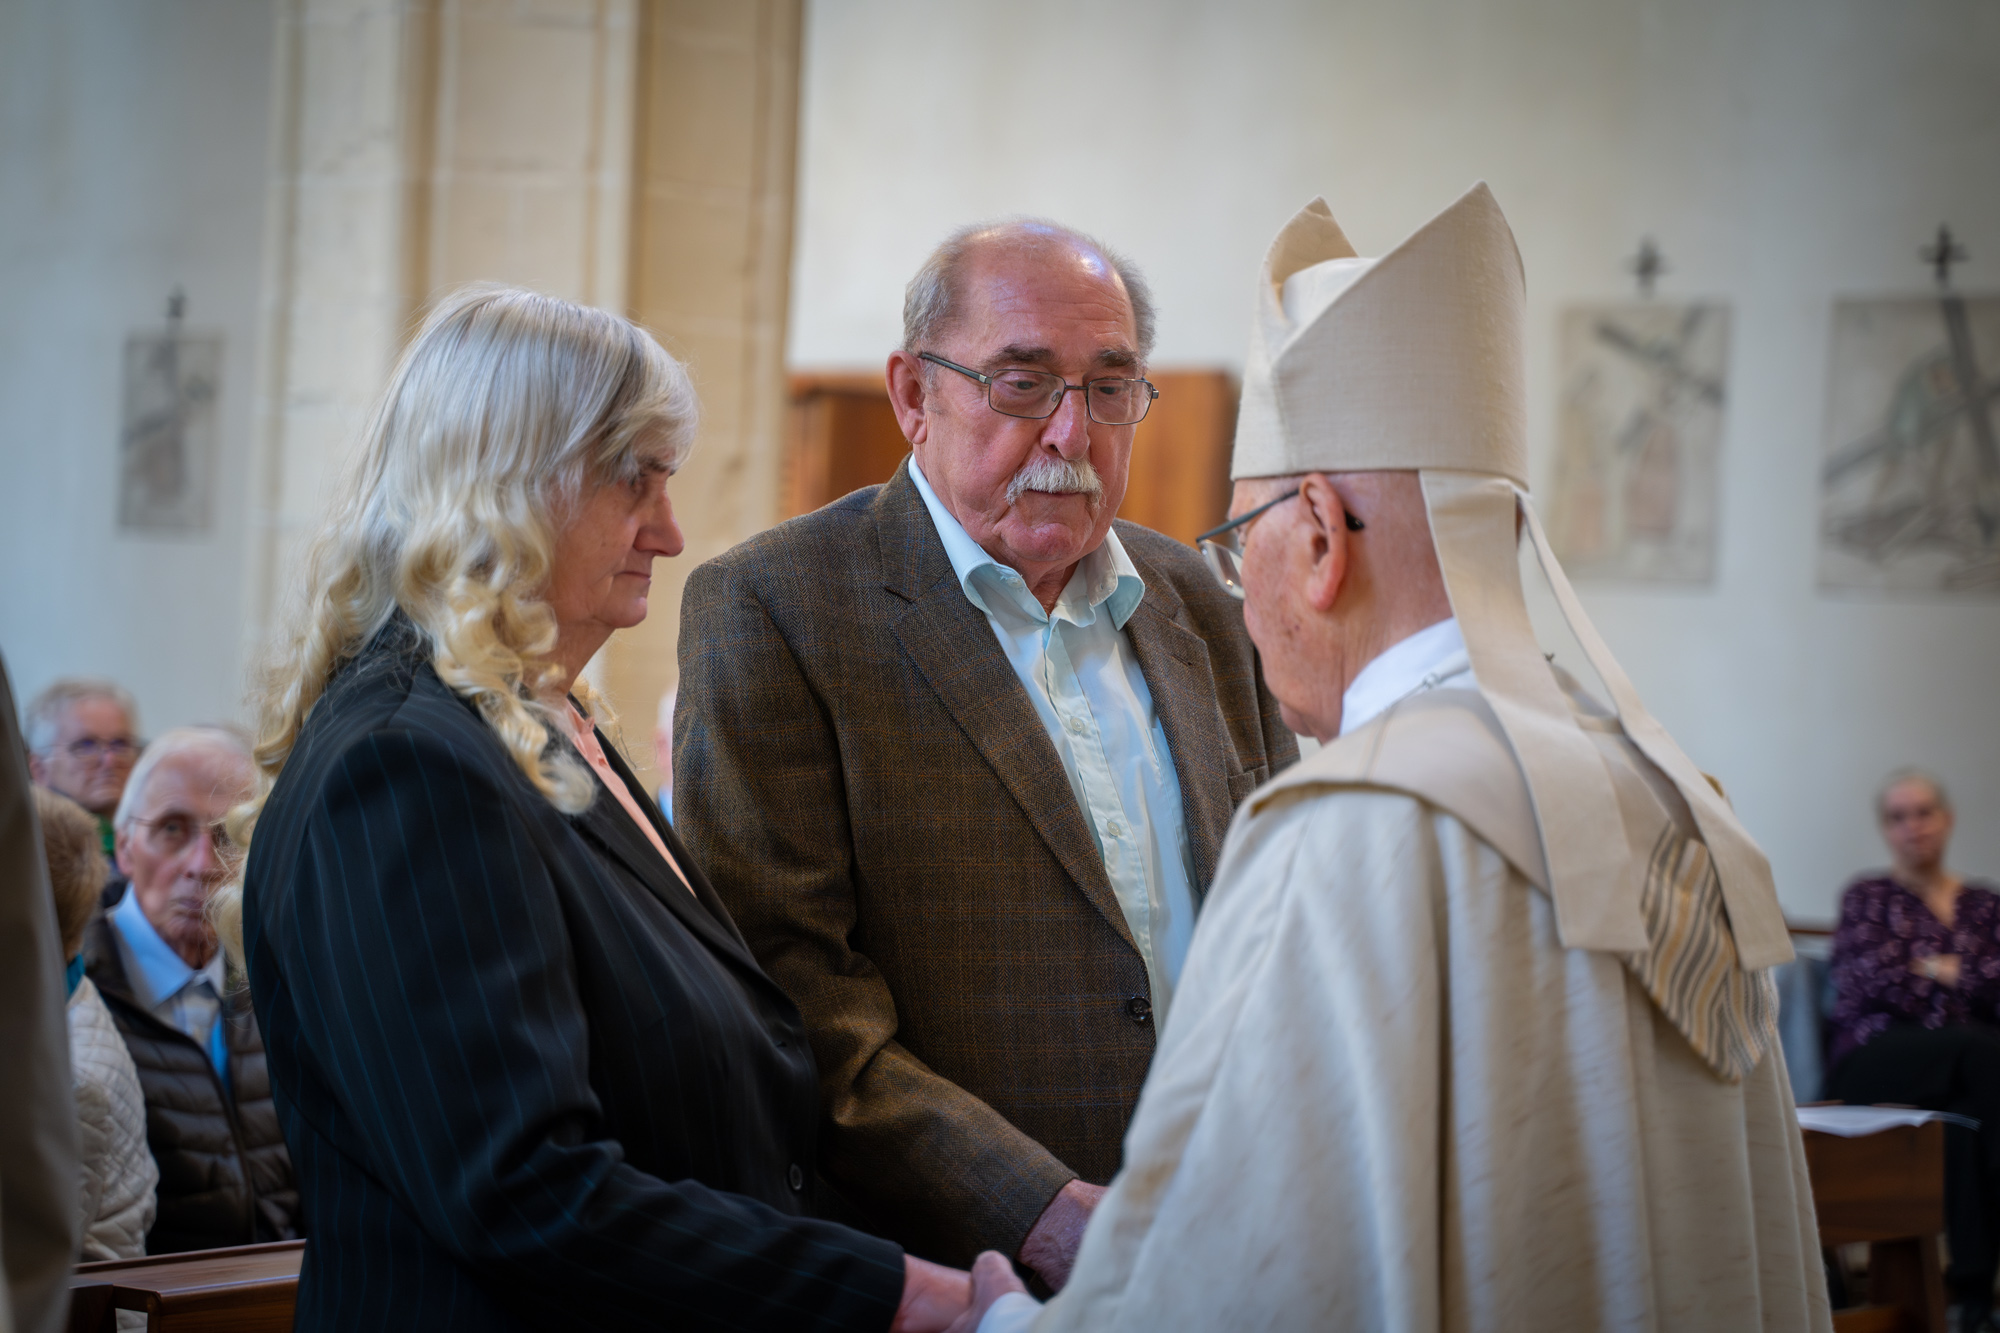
(604,556)
(1915,824)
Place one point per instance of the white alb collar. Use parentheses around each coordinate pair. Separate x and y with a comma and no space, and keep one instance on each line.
(1423,661)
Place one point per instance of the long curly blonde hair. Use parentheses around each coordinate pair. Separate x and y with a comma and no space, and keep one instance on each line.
(504,410)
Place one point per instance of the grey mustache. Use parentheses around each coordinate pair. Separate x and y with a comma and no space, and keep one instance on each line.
(1055,476)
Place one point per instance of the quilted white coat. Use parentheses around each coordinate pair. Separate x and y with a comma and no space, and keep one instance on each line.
(119,1176)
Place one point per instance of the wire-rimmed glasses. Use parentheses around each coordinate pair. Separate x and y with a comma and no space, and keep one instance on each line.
(171,834)
(1222,546)
(1036,394)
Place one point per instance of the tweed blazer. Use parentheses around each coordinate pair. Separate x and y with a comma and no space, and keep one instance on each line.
(871,791)
(528,1079)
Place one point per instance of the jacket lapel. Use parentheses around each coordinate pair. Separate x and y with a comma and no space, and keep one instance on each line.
(951,645)
(1174,661)
(605,824)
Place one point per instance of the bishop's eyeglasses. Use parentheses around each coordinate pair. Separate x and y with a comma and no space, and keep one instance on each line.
(1036,394)
(1222,546)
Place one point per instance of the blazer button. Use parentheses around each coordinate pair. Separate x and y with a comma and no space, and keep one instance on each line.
(1140,1008)
(798,1178)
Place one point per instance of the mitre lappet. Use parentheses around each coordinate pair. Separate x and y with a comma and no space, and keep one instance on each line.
(1413,361)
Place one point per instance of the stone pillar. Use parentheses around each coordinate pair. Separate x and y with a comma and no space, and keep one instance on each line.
(633,154)
(419,146)
(710,272)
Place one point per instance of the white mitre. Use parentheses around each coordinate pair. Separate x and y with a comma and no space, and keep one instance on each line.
(1413,361)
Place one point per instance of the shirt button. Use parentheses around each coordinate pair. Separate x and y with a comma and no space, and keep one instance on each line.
(1115,829)
(1075,725)
(1140,1009)
(797,1178)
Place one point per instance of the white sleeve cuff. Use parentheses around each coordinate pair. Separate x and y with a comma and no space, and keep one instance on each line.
(1013,1313)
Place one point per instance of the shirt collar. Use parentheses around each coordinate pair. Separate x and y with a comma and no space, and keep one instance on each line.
(1105,577)
(155,971)
(1423,661)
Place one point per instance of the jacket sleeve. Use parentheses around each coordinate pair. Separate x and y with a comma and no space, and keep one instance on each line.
(38,1180)
(760,801)
(427,959)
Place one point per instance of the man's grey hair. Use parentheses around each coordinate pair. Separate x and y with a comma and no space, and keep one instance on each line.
(218,740)
(1903,775)
(43,722)
(931,301)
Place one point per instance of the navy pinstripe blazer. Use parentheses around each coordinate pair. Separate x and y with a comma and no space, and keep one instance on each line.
(527,1079)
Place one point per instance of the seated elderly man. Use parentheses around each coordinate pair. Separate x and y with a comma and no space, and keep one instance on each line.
(82,741)
(225,1178)
(1475,1032)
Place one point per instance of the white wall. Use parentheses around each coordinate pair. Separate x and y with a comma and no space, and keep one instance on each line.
(1783,152)
(132,159)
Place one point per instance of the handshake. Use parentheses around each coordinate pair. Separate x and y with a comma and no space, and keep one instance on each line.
(937,1299)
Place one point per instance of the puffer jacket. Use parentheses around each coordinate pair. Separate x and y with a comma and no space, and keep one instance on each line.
(118,1173)
(225,1178)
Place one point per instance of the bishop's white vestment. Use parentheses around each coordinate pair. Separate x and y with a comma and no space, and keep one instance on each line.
(1389,1099)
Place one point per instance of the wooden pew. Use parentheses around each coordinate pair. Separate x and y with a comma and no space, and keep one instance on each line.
(1887,1190)
(248,1289)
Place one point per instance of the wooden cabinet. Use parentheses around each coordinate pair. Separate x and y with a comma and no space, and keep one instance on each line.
(842,436)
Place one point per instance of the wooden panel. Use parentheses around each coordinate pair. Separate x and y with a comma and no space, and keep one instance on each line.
(1878,1187)
(1179,482)
(246,1289)
(843,436)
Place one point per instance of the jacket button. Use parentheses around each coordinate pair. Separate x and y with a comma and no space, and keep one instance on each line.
(798,1178)
(1140,1008)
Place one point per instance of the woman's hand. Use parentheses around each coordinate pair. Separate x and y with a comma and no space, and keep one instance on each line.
(933,1297)
(992,1278)
(1939,967)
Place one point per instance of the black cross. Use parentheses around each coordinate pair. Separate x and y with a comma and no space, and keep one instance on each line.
(1647,265)
(1942,253)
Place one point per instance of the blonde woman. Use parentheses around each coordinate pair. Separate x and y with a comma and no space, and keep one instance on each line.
(530,1075)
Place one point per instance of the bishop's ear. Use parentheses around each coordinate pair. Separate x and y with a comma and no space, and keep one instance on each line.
(1330,528)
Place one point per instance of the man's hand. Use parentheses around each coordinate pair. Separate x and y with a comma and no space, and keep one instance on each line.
(992,1278)
(933,1297)
(1050,1248)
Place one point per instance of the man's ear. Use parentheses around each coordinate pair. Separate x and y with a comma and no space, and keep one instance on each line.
(37,771)
(905,375)
(119,839)
(1326,528)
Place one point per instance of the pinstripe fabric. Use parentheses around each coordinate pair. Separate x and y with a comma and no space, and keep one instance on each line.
(527,1079)
(862,775)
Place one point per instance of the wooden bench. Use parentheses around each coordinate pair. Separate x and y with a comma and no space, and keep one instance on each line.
(248,1289)
(1887,1190)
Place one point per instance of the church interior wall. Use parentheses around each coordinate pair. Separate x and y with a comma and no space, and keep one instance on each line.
(133,142)
(1782,153)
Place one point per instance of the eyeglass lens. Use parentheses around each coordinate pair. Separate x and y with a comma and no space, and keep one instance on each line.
(1038,393)
(172,833)
(1225,561)
(90,747)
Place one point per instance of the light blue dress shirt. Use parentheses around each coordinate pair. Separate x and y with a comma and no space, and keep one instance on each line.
(180,996)
(1084,680)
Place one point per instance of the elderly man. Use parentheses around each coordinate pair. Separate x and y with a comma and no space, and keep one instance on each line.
(959,751)
(1477,1032)
(225,1178)
(82,741)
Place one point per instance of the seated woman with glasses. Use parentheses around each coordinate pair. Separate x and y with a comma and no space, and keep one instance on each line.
(1916,1019)
(532,1076)
(225,1177)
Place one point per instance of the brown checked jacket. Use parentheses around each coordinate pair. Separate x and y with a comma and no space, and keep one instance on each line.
(866,783)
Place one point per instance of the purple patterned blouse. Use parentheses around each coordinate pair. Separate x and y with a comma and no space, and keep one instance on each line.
(1883,926)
